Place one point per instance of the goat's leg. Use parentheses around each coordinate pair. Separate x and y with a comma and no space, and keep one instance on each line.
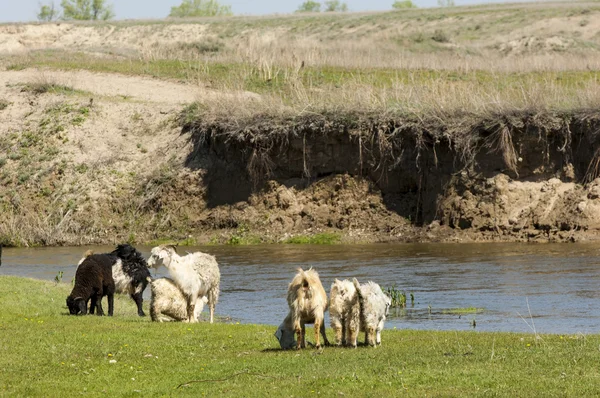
(303,332)
(318,323)
(137,297)
(322,330)
(153,313)
(338,330)
(99,306)
(370,336)
(379,329)
(191,307)
(111,303)
(298,329)
(352,336)
(92,304)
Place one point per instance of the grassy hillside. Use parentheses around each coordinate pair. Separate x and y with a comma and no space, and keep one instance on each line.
(469,58)
(44,351)
(115,120)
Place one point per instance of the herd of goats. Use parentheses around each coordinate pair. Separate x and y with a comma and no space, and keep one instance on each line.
(195,280)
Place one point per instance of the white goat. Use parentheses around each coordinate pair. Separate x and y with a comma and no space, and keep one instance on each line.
(169,303)
(308,302)
(344,312)
(374,308)
(197,275)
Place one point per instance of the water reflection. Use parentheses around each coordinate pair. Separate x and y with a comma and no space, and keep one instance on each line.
(553,286)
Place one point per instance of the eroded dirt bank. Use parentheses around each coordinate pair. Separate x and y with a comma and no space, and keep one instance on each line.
(523,176)
(78,166)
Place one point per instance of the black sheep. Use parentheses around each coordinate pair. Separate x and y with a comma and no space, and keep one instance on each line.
(130,273)
(93,280)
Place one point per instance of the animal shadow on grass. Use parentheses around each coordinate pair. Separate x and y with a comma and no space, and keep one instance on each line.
(327,347)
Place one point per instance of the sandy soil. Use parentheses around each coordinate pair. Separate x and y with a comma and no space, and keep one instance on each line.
(134,88)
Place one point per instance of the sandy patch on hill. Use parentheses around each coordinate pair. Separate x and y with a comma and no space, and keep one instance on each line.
(136,88)
(19,38)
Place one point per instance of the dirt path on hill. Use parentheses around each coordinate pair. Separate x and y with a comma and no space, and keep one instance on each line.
(135,88)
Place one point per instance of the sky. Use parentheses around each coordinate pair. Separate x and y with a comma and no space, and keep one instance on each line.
(25,10)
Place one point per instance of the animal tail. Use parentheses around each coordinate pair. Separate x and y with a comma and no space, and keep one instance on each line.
(305,279)
(304,283)
(359,293)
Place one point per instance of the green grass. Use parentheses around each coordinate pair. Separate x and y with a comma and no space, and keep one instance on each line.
(251,77)
(44,352)
(44,87)
(324,87)
(325,238)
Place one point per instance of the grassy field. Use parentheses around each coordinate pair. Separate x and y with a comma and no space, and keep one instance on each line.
(45,352)
(476,59)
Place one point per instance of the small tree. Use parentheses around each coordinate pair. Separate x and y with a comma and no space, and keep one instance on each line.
(309,6)
(399,4)
(200,8)
(48,13)
(87,10)
(335,5)
(445,3)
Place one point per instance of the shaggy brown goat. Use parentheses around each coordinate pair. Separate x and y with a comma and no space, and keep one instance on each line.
(308,302)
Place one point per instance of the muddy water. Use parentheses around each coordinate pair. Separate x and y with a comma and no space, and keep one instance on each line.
(552,288)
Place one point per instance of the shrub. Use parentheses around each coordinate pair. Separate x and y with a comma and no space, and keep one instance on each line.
(440,36)
(399,4)
(85,10)
(309,6)
(48,13)
(335,6)
(200,8)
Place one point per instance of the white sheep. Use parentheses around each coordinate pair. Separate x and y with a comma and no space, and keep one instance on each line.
(169,303)
(344,312)
(197,275)
(374,308)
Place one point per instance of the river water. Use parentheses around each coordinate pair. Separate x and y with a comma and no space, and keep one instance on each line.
(549,288)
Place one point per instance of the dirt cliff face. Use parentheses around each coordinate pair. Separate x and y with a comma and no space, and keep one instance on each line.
(529,176)
(77,168)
